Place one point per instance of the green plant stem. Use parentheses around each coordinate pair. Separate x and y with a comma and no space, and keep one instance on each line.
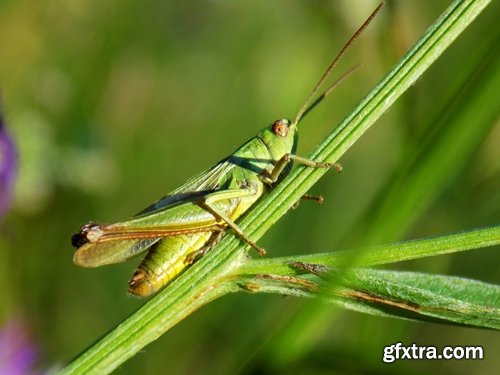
(377,255)
(204,281)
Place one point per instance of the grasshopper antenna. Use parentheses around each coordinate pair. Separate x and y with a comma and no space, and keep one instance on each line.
(307,106)
(330,88)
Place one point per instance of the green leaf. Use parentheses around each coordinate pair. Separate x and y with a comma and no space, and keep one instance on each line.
(423,296)
(397,294)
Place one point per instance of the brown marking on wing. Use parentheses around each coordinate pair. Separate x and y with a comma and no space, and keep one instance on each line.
(96,233)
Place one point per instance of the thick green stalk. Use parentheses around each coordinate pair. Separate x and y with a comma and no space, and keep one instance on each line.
(204,281)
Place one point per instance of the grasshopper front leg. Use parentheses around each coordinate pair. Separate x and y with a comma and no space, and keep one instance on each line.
(287,158)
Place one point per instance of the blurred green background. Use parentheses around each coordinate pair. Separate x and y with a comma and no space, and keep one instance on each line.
(113,104)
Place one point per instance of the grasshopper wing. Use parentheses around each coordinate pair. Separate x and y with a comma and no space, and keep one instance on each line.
(174,214)
(200,184)
(95,254)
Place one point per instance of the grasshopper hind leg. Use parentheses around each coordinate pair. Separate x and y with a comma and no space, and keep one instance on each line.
(208,204)
(197,254)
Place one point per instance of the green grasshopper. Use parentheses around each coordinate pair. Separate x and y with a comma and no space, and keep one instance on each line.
(185,224)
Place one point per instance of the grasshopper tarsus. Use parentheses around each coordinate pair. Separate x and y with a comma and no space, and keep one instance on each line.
(316,198)
(260,250)
(323,164)
(307,197)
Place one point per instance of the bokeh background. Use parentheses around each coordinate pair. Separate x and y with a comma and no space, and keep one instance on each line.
(111,104)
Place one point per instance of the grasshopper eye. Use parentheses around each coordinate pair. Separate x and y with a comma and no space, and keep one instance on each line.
(280,127)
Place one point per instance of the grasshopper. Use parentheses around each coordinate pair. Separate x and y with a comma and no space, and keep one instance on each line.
(185,224)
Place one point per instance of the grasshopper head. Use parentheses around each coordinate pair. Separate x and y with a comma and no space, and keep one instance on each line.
(280,138)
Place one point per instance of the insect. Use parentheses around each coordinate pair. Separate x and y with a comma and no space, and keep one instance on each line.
(185,224)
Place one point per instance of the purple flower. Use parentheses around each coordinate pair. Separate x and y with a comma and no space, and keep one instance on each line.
(18,353)
(8,164)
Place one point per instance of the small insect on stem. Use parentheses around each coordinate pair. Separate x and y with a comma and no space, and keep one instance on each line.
(185,224)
